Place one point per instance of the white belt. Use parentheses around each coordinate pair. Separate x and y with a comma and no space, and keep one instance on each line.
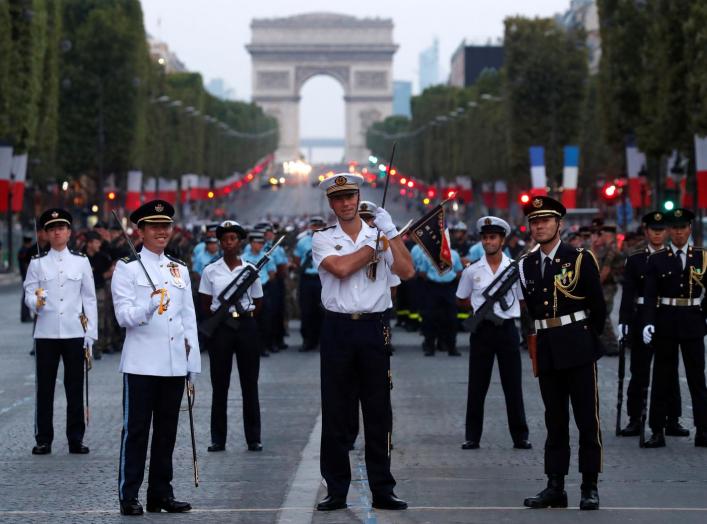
(640,300)
(561,321)
(681,301)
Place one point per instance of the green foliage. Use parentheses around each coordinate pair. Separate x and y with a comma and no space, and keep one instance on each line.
(5,61)
(696,57)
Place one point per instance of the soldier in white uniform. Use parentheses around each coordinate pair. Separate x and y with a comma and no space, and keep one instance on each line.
(161,347)
(59,289)
(492,340)
(236,335)
(353,340)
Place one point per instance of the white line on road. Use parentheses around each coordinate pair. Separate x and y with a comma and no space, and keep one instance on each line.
(302,493)
(16,404)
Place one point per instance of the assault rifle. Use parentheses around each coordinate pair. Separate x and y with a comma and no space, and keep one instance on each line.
(232,293)
(496,292)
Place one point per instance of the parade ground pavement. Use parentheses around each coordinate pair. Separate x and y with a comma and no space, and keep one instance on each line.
(441,482)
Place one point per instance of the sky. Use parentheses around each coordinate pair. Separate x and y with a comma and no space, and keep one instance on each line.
(209,37)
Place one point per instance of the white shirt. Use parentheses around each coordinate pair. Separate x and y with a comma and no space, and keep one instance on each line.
(217,276)
(478,276)
(155,344)
(68,280)
(550,255)
(683,255)
(355,293)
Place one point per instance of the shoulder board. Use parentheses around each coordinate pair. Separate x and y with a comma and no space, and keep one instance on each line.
(641,251)
(661,250)
(41,254)
(128,259)
(698,248)
(77,253)
(324,228)
(175,259)
(579,249)
(472,263)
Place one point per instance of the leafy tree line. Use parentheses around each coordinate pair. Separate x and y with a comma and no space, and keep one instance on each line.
(80,94)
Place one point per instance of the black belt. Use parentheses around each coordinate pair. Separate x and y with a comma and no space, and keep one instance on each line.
(309,277)
(244,314)
(355,316)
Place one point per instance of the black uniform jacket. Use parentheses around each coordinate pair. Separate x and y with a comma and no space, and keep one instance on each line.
(571,286)
(665,278)
(634,287)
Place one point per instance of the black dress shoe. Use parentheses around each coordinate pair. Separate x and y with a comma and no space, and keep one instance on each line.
(169,504)
(632,429)
(522,444)
(330,503)
(657,440)
(130,507)
(42,449)
(78,449)
(470,444)
(216,447)
(675,429)
(590,497)
(553,496)
(701,439)
(389,501)
(255,446)
(454,353)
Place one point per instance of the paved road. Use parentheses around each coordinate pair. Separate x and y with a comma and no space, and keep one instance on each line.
(443,483)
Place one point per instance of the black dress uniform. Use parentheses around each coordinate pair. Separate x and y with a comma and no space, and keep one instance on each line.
(161,348)
(631,314)
(565,300)
(676,307)
(65,281)
(354,358)
(237,335)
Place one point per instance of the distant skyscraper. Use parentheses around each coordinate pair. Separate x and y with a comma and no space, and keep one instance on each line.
(469,61)
(218,88)
(402,92)
(429,66)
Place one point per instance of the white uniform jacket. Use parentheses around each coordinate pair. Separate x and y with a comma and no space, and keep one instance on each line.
(68,279)
(155,344)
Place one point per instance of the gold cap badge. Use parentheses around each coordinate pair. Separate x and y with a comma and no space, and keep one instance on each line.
(678,213)
(658,217)
(159,208)
(55,214)
(340,180)
(488,221)
(537,203)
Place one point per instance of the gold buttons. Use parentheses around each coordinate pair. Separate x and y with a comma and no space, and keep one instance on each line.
(545,303)
(545,289)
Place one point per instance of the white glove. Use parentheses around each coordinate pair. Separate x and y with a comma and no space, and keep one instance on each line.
(155,299)
(623,330)
(384,222)
(88,345)
(648,333)
(41,294)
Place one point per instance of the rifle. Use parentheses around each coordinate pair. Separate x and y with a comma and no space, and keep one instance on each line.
(644,414)
(191,395)
(622,373)
(373,264)
(239,285)
(496,292)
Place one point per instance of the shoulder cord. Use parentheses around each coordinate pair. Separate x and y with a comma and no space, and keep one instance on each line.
(568,289)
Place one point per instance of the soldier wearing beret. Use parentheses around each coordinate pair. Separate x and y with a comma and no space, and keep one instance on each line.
(60,291)
(674,319)
(161,349)
(563,295)
(631,327)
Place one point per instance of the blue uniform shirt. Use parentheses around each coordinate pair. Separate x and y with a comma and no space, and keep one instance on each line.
(267,268)
(418,257)
(433,276)
(477,251)
(303,250)
(279,257)
(200,260)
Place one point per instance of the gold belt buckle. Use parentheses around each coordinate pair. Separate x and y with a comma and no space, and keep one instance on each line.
(355,316)
(553,322)
(235,314)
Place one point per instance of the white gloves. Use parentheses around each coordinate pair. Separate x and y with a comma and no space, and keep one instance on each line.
(648,333)
(623,330)
(41,294)
(88,346)
(157,299)
(384,222)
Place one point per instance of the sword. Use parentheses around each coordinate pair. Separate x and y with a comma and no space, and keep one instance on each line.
(622,373)
(191,394)
(162,308)
(373,264)
(87,366)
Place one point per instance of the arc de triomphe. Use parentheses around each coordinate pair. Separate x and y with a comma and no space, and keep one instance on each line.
(358,53)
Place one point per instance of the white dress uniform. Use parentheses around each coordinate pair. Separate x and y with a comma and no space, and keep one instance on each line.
(67,278)
(155,344)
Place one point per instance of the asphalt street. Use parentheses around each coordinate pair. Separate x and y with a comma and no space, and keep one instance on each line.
(442,483)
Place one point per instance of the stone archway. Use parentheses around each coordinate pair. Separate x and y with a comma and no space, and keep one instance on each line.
(357,52)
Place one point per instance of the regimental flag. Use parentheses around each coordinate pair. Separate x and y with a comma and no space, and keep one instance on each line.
(430,234)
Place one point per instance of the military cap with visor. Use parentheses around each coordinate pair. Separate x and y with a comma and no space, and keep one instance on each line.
(654,220)
(680,217)
(491,224)
(153,212)
(341,184)
(367,208)
(54,217)
(256,236)
(316,221)
(543,207)
(230,226)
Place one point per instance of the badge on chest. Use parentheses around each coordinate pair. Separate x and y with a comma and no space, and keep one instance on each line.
(176,274)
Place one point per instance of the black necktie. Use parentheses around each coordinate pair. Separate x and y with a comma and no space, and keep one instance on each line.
(546,266)
(679,253)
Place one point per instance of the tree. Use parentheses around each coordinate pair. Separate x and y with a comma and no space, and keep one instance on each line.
(5,62)
(696,57)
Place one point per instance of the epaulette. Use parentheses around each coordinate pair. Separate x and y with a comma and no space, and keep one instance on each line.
(175,259)
(698,248)
(324,229)
(77,253)
(41,254)
(579,249)
(641,251)
(469,264)
(661,250)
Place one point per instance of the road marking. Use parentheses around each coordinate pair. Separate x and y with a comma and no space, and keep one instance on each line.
(306,511)
(298,507)
(15,404)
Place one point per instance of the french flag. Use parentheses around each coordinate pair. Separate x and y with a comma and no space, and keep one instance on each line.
(167,190)
(150,190)
(538,177)
(5,170)
(132,198)
(570,172)
(701,167)
(635,162)
(501,190)
(19,169)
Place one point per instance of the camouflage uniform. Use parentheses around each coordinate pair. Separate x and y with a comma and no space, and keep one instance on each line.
(610,256)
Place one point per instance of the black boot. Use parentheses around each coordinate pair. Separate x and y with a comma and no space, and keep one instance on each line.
(553,496)
(590,493)
(657,440)
(632,429)
(675,429)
